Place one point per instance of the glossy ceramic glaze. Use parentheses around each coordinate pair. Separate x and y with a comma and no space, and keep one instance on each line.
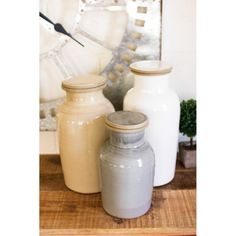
(81,129)
(152,96)
(127,168)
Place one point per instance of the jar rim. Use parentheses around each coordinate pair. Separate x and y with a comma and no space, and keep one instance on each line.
(150,67)
(84,83)
(126,121)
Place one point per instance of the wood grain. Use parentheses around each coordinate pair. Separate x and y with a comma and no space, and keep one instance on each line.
(64,212)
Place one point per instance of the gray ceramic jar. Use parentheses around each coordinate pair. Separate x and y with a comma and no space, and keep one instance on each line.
(127,166)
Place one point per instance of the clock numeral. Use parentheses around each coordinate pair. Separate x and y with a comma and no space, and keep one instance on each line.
(139,22)
(132,46)
(136,35)
(142,10)
(112,77)
(53,112)
(119,68)
(42,114)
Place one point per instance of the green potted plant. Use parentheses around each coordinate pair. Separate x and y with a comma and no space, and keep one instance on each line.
(187,150)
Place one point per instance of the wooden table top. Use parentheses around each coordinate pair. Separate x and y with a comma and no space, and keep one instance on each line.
(64,212)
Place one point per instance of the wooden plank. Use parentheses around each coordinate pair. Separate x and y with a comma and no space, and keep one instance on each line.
(64,212)
(170,209)
(123,232)
(50,164)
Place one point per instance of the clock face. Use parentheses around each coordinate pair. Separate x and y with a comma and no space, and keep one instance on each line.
(61,57)
(114,33)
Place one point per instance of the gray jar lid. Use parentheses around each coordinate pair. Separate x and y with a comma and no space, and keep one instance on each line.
(126,121)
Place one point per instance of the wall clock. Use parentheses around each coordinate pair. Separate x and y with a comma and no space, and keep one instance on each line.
(114,33)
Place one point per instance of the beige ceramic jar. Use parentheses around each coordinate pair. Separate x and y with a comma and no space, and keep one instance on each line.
(81,129)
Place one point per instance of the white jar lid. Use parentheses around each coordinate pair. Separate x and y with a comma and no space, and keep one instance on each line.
(84,83)
(126,121)
(150,67)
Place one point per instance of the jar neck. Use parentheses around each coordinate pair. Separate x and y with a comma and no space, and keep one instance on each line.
(127,140)
(84,97)
(152,84)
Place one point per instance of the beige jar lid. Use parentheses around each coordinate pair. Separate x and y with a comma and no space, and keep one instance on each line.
(84,83)
(126,121)
(150,67)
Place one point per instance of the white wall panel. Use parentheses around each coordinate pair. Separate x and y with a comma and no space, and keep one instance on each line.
(178,44)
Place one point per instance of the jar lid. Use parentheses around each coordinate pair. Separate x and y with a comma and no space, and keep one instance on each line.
(84,83)
(150,67)
(126,121)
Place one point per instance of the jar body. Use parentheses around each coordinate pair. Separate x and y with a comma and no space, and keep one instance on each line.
(81,130)
(152,96)
(127,172)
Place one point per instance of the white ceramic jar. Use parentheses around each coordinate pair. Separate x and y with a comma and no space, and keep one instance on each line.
(81,129)
(152,96)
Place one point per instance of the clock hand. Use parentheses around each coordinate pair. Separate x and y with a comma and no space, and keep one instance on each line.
(45,18)
(59,28)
